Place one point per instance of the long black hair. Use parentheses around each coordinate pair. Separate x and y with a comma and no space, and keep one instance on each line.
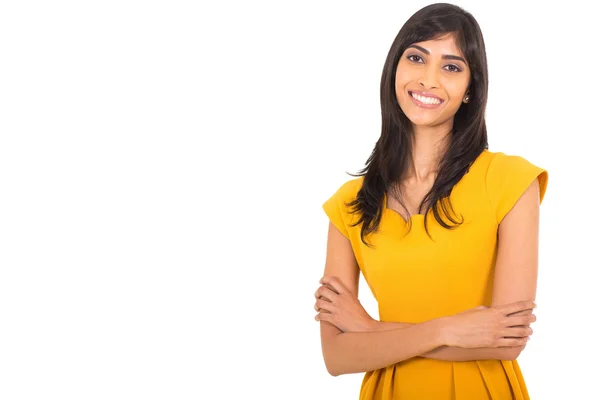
(387,163)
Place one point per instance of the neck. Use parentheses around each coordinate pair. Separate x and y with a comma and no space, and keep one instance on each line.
(429,146)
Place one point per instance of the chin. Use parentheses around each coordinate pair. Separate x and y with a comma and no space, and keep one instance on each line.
(420,121)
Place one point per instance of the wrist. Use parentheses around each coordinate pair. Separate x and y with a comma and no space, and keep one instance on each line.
(373,325)
(444,331)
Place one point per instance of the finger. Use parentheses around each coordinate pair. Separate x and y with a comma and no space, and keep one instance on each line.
(324,317)
(326,293)
(335,283)
(325,305)
(511,342)
(517,332)
(318,309)
(520,320)
(517,307)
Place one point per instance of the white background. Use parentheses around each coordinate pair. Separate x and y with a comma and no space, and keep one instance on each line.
(163,166)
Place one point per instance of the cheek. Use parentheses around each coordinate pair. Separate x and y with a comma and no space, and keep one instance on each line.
(399,80)
(404,75)
(399,86)
(456,90)
(457,87)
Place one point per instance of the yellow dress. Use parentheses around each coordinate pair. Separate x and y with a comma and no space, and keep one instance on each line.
(415,279)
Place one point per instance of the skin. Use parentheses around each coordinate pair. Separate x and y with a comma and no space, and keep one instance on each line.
(352,341)
(447,79)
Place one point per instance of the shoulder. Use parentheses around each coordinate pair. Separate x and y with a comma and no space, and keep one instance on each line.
(349,189)
(344,194)
(510,161)
(336,206)
(504,167)
(507,178)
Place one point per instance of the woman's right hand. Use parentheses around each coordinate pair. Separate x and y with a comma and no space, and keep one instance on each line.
(490,326)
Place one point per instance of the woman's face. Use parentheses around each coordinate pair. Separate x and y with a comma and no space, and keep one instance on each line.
(437,73)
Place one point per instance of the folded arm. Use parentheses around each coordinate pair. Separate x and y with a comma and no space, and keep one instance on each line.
(515,276)
(514,280)
(353,352)
(449,353)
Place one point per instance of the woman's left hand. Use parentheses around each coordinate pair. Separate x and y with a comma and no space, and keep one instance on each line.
(337,305)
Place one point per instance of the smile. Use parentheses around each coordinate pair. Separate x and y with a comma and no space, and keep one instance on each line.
(425,101)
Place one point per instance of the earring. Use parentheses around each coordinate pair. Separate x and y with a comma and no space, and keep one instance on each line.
(466,98)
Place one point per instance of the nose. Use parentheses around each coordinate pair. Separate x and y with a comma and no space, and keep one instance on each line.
(429,79)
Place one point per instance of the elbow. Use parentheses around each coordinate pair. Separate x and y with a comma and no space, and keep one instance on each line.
(332,361)
(332,366)
(331,370)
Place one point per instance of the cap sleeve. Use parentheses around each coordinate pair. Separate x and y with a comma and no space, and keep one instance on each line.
(336,209)
(508,177)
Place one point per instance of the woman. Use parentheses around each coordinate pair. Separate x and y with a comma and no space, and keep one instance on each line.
(444,231)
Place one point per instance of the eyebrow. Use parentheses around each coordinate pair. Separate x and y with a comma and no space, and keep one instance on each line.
(444,57)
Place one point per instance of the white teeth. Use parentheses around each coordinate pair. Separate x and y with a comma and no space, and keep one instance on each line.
(426,100)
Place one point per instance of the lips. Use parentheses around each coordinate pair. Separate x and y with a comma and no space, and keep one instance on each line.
(425,99)
(425,94)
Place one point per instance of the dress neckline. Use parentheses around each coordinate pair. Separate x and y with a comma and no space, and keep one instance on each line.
(392,211)
(421,217)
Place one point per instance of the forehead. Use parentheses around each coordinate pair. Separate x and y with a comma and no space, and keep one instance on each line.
(443,45)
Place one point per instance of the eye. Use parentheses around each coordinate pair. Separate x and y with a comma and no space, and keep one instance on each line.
(453,68)
(413,55)
(418,59)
